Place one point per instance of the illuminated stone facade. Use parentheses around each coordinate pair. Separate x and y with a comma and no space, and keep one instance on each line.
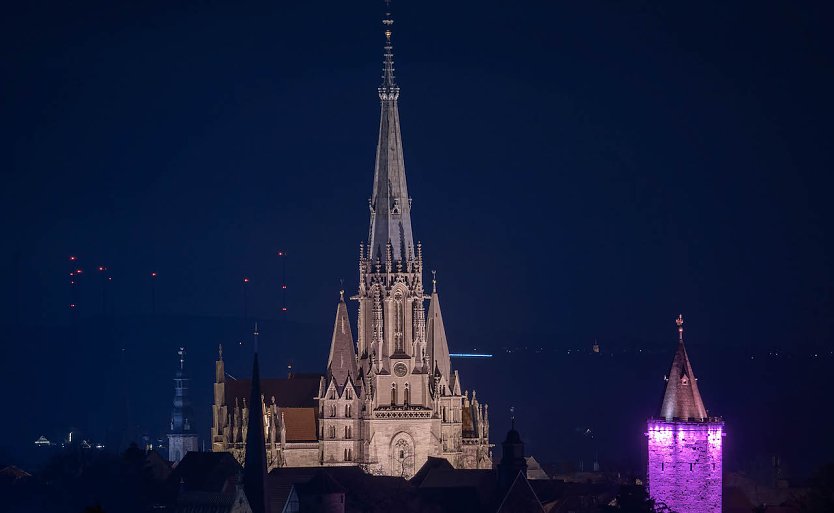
(392,399)
(684,445)
(183,436)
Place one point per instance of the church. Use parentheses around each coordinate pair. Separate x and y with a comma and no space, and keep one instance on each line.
(389,398)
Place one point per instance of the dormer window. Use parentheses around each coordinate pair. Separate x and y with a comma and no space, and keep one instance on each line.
(684,380)
(396,208)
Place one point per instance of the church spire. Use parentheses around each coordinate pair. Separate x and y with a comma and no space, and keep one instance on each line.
(341,364)
(254,468)
(436,335)
(682,399)
(390,204)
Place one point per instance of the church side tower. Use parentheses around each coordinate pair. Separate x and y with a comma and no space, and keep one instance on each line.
(183,437)
(340,395)
(684,457)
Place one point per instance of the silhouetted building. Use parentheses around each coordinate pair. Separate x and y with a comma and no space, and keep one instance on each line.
(254,466)
(684,453)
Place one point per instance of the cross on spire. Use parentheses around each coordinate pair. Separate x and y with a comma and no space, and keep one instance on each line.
(679,322)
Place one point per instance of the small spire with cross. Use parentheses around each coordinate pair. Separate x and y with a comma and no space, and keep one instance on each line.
(434,281)
(679,322)
(255,336)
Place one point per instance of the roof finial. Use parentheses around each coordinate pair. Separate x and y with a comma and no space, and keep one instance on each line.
(341,289)
(512,417)
(255,336)
(388,90)
(679,322)
(434,281)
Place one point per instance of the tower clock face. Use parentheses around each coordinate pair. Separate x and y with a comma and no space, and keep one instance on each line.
(400,369)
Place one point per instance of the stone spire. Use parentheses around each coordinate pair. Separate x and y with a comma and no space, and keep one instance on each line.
(390,204)
(254,468)
(682,399)
(341,364)
(436,335)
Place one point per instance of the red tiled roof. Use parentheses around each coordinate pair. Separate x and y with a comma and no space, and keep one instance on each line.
(300,424)
(295,392)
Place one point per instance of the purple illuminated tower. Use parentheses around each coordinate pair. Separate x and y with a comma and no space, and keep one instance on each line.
(684,463)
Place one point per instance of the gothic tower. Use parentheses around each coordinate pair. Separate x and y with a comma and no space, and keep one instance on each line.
(684,444)
(183,437)
(395,400)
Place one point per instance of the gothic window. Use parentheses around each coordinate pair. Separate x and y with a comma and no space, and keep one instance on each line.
(348,394)
(345,456)
(347,410)
(333,410)
(333,394)
(407,395)
(393,394)
(348,433)
(444,414)
(398,322)
(332,431)
(350,454)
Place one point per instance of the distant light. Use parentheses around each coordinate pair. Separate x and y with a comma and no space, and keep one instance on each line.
(72,305)
(470,355)
(280,253)
(283,286)
(72,259)
(245,280)
(153,275)
(78,271)
(284,309)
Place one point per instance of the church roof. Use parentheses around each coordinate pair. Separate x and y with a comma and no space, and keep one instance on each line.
(390,204)
(341,364)
(298,391)
(214,472)
(436,336)
(682,399)
(300,424)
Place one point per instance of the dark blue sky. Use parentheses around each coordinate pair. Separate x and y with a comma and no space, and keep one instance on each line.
(579,170)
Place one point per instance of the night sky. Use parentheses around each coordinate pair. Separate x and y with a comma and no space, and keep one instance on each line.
(579,170)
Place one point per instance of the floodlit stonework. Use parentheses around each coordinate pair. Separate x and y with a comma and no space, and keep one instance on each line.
(391,399)
(684,444)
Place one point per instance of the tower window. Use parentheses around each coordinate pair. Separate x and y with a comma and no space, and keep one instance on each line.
(407,395)
(393,394)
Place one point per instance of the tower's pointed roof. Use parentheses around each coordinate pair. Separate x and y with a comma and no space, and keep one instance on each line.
(341,364)
(254,468)
(436,336)
(390,204)
(682,399)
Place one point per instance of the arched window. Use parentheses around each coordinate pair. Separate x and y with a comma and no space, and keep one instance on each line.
(407,395)
(347,410)
(348,394)
(350,454)
(333,410)
(393,394)
(347,433)
(399,321)
(332,431)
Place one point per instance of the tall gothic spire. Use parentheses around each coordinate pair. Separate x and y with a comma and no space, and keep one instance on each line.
(390,204)
(341,364)
(682,399)
(254,468)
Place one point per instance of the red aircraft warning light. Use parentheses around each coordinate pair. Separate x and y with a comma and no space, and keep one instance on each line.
(72,258)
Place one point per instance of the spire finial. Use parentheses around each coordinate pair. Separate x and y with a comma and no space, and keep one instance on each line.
(434,281)
(679,322)
(255,336)
(181,353)
(512,417)
(341,289)
(388,90)
(220,351)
